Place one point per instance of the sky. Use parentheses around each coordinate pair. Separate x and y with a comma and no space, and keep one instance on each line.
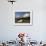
(20,14)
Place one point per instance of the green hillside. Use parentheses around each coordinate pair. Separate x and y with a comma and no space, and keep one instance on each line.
(24,20)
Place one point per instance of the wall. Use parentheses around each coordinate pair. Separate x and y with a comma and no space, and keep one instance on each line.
(7,28)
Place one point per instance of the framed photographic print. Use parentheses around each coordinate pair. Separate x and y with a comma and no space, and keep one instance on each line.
(23,17)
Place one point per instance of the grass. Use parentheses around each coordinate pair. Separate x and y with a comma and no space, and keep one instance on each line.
(24,20)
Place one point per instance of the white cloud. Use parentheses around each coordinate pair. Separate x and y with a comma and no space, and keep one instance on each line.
(26,15)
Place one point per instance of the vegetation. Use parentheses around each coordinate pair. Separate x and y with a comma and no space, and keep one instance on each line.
(24,20)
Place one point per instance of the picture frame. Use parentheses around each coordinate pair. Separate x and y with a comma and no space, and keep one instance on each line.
(23,17)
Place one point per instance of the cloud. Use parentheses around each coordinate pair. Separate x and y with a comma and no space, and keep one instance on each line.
(26,15)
